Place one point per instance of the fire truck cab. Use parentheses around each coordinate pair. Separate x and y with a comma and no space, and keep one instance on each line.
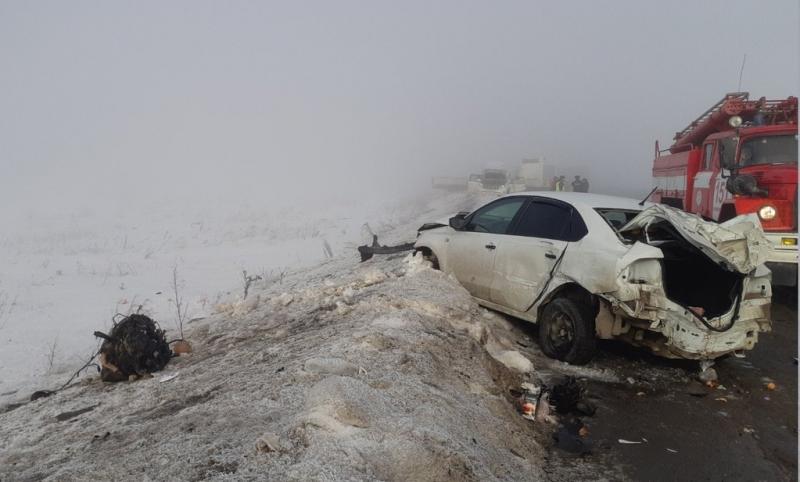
(739,157)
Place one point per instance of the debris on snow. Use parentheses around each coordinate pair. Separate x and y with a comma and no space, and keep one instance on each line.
(367,252)
(181,347)
(134,347)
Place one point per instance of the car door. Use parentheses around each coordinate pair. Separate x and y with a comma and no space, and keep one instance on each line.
(471,251)
(534,245)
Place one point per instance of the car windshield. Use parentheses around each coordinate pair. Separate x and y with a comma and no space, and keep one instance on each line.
(769,150)
(617,218)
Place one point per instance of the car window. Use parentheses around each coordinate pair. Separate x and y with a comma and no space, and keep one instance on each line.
(550,221)
(617,218)
(496,217)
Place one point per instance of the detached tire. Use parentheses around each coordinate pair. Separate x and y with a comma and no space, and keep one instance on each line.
(566,331)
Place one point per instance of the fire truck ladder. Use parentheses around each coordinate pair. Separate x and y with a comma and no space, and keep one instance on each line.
(741,96)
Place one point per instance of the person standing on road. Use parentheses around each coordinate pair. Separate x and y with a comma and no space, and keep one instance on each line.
(577,184)
(561,183)
(585,185)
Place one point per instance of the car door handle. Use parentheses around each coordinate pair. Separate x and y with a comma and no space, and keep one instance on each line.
(491,246)
(550,255)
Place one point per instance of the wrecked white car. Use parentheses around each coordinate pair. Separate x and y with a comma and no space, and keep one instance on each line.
(587,266)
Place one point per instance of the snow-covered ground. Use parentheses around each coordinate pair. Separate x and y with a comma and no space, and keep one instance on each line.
(381,370)
(340,370)
(66,275)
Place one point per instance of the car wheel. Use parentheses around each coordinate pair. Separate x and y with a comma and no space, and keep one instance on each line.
(428,254)
(566,331)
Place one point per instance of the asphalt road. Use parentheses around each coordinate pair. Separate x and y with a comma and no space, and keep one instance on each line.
(741,431)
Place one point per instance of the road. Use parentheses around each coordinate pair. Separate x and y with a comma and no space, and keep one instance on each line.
(740,431)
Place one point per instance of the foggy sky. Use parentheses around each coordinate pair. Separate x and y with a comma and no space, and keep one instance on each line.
(114,102)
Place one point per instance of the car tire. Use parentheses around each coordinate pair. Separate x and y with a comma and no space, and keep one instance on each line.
(566,331)
(428,254)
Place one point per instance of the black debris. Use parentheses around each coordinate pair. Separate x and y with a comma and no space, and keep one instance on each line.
(568,438)
(135,346)
(367,252)
(566,395)
(74,413)
(41,394)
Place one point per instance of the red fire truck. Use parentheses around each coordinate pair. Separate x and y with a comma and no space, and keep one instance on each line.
(739,156)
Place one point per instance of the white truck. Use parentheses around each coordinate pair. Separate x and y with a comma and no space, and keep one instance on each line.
(533,175)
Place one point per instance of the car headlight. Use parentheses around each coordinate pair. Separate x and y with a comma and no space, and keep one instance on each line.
(767,212)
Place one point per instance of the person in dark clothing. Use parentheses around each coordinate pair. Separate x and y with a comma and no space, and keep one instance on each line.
(577,184)
(585,186)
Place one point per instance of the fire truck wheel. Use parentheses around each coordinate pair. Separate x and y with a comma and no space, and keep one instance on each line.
(566,331)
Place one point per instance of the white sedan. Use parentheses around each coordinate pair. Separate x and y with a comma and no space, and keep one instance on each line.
(587,266)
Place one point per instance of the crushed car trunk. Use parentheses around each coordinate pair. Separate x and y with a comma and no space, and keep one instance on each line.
(690,277)
(690,288)
(704,264)
(736,245)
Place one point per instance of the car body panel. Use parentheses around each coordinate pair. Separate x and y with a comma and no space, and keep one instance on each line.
(522,266)
(471,262)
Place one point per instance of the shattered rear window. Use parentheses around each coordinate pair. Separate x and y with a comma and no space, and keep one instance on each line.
(617,218)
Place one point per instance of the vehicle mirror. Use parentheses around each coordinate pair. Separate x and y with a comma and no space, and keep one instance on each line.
(458,222)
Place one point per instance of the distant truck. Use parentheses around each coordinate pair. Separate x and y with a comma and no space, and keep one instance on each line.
(489,180)
(533,175)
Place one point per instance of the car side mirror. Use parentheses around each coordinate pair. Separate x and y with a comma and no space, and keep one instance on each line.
(458,222)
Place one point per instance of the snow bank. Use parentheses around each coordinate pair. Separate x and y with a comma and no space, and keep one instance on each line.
(343,371)
(390,390)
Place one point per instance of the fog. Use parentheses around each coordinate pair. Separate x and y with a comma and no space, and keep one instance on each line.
(131,104)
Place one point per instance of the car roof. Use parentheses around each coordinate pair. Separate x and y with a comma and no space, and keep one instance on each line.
(587,200)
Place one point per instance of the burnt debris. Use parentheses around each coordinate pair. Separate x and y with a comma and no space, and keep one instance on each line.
(135,346)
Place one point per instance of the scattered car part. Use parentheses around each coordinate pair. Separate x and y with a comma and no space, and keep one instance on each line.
(367,252)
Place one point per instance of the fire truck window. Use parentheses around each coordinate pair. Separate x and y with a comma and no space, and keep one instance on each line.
(707,157)
(781,149)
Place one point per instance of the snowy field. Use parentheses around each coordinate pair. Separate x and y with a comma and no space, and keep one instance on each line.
(384,370)
(66,275)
